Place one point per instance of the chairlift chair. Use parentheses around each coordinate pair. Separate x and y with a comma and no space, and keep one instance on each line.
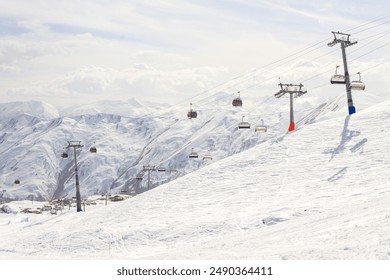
(139,177)
(161,169)
(358,85)
(208,157)
(337,79)
(261,128)
(191,113)
(193,154)
(244,125)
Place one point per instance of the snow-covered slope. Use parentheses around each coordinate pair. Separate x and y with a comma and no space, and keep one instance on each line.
(37,109)
(130,135)
(157,137)
(320,192)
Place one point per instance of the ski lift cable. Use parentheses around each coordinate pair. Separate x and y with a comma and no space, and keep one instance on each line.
(291,55)
(383,34)
(316,87)
(320,86)
(267,65)
(323,72)
(371,27)
(387,32)
(304,49)
(374,66)
(308,48)
(286,62)
(377,34)
(241,81)
(370,52)
(370,42)
(243,75)
(291,69)
(361,71)
(254,71)
(326,65)
(376,19)
(325,84)
(264,69)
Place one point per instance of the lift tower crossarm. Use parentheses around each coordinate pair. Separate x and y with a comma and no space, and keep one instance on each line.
(341,37)
(345,42)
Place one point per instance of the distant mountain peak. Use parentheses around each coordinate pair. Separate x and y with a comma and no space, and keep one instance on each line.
(38,109)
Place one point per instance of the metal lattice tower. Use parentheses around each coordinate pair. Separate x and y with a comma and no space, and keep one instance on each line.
(152,168)
(345,42)
(295,91)
(149,168)
(76,145)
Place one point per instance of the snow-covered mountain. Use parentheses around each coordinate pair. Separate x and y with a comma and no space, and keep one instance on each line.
(128,108)
(321,192)
(37,109)
(138,135)
(130,135)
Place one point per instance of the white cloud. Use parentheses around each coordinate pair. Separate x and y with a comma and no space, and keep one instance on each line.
(178,48)
(141,81)
(14,52)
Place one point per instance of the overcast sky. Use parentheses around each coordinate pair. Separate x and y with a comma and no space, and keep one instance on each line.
(67,52)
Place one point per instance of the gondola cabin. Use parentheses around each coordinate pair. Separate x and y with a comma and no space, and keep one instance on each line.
(193,154)
(237,102)
(64,155)
(17,182)
(191,113)
(93,150)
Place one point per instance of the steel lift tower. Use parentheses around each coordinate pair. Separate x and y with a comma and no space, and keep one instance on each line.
(294,91)
(345,42)
(76,145)
(152,168)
